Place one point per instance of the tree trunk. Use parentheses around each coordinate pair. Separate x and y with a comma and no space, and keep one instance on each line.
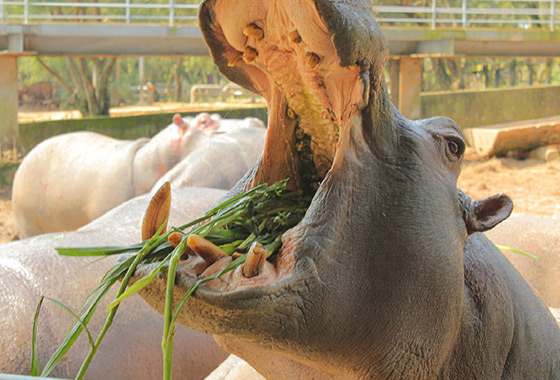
(177,77)
(105,68)
(93,105)
(79,84)
(513,73)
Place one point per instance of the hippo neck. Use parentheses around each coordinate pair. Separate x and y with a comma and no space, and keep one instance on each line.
(368,223)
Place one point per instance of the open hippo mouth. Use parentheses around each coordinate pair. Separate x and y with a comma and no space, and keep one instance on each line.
(298,56)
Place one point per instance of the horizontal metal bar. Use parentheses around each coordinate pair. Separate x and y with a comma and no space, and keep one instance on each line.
(428,14)
(100,5)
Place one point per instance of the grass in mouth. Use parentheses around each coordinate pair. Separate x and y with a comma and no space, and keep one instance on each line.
(262,214)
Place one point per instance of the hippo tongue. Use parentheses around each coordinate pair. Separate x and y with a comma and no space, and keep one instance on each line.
(289,54)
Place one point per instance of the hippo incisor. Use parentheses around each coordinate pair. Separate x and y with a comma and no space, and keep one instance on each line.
(387,276)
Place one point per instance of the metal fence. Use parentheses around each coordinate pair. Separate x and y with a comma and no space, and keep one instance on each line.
(523,14)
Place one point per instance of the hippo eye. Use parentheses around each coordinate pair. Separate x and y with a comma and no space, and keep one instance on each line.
(455,148)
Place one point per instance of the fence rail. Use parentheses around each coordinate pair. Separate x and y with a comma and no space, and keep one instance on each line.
(523,14)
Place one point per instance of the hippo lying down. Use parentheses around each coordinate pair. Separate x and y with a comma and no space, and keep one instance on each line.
(387,275)
(69,180)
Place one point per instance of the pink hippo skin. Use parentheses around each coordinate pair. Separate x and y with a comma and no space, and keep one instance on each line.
(71,179)
(220,161)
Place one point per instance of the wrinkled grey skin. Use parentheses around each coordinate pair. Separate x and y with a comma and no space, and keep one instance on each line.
(540,237)
(132,347)
(393,279)
(69,180)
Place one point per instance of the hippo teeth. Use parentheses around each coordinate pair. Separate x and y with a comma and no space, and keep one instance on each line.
(157,212)
(207,250)
(256,258)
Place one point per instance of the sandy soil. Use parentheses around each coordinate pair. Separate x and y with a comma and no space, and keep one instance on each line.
(533,185)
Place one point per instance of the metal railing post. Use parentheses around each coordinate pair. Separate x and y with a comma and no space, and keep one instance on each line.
(127,11)
(26,11)
(552,14)
(171,12)
(464,13)
(434,4)
(1,10)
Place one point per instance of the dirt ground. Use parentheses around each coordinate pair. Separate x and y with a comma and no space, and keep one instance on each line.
(533,185)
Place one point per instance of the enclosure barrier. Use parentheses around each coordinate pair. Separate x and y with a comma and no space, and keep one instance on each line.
(524,14)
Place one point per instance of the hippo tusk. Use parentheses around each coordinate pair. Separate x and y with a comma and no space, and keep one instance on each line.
(294,36)
(205,249)
(175,238)
(157,212)
(233,61)
(250,54)
(311,60)
(253,31)
(256,258)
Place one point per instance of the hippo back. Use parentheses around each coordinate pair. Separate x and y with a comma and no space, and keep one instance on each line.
(540,237)
(62,183)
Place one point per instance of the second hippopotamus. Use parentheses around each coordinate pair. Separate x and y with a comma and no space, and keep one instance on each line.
(68,180)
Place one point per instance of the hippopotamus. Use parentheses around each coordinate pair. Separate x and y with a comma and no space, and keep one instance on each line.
(222,160)
(388,275)
(69,180)
(31,267)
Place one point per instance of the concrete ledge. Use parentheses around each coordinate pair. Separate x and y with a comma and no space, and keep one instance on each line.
(526,135)
(474,108)
(124,128)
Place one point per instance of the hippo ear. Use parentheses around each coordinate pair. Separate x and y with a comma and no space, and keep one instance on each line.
(484,214)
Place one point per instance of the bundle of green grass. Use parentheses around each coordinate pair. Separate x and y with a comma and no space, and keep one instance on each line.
(248,227)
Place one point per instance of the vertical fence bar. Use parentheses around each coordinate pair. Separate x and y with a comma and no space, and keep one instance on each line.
(26,11)
(171,12)
(552,14)
(2,10)
(464,13)
(434,5)
(127,11)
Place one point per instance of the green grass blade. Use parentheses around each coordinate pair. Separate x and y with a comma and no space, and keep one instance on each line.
(75,331)
(503,247)
(149,245)
(137,286)
(78,319)
(35,369)
(97,251)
